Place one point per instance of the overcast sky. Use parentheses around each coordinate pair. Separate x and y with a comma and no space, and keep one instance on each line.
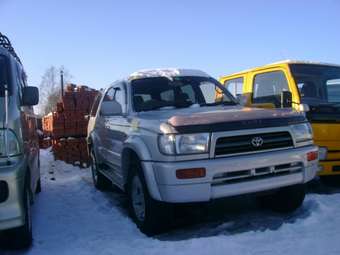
(100,41)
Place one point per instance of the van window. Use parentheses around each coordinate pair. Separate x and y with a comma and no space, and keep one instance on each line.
(4,79)
(268,87)
(235,86)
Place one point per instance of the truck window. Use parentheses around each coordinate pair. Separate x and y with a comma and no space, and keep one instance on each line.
(333,90)
(267,88)
(235,86)
(317,83)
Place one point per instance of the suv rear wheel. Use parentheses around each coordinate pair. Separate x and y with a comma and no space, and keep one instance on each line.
(151,216)
(99,180)
(285,200)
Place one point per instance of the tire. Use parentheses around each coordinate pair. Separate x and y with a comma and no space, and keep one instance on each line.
(99,180)
(22,236)
(151,217)
(285,200)
(38,189)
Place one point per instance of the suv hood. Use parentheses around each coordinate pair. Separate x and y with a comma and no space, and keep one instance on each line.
(216,119)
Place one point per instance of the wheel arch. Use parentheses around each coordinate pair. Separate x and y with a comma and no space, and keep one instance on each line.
(130,154)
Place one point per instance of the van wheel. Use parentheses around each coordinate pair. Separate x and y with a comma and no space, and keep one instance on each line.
(22,236)
(151,216)
(285,200)
(99,180)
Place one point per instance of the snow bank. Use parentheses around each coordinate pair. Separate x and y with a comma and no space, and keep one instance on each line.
(71,217)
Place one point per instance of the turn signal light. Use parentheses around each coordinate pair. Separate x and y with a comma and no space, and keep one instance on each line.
(312,155)
(190,173)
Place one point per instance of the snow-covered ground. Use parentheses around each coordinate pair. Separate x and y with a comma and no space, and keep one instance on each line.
(71,217)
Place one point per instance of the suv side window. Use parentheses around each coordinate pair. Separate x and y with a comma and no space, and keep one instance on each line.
(116,93)
(209,91)
(235,86)
(268,87)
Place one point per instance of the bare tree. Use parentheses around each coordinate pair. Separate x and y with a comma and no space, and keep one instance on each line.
(50,88)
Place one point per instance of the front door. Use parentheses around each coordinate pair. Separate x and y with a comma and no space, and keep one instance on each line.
(116,128)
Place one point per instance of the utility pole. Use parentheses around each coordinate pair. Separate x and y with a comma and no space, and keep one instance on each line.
(62,82)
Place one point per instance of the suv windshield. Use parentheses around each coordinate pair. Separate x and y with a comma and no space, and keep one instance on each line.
(178,92)
(3,75)
(317,83)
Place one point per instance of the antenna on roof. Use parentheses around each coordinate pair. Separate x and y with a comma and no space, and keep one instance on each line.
(6,43)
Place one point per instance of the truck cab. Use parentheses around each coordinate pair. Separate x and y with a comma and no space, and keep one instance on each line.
(310,86)
(19,148)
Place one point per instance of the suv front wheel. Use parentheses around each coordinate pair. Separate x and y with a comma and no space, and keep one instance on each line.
(151,216)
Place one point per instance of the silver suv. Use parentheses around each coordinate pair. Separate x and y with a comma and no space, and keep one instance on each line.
(164,137)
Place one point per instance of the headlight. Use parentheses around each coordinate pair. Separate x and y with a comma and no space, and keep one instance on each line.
(184,144)
(13,147)
(302,132)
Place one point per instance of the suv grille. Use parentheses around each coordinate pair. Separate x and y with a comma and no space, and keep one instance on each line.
(252,143)
(257,173)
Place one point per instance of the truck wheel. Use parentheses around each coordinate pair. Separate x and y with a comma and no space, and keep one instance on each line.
(285,200)
(150,216)
(99,180)
(22,236)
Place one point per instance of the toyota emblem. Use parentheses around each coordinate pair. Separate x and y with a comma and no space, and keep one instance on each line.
(257,142)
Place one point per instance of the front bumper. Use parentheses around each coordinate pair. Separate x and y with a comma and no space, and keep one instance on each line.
(164,186)
(330,167)
(12,209)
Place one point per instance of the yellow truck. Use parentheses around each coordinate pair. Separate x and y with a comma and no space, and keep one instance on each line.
(303,86)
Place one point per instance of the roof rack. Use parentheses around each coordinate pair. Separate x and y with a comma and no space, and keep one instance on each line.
(6,43)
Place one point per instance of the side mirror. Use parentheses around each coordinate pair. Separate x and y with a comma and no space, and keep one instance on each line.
(286,99)
(110,108)
(30,96)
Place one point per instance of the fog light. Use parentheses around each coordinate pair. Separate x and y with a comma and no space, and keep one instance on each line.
(190,173)
(312,155)
(323,153)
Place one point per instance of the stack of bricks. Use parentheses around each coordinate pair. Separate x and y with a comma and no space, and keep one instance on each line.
(67,125)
